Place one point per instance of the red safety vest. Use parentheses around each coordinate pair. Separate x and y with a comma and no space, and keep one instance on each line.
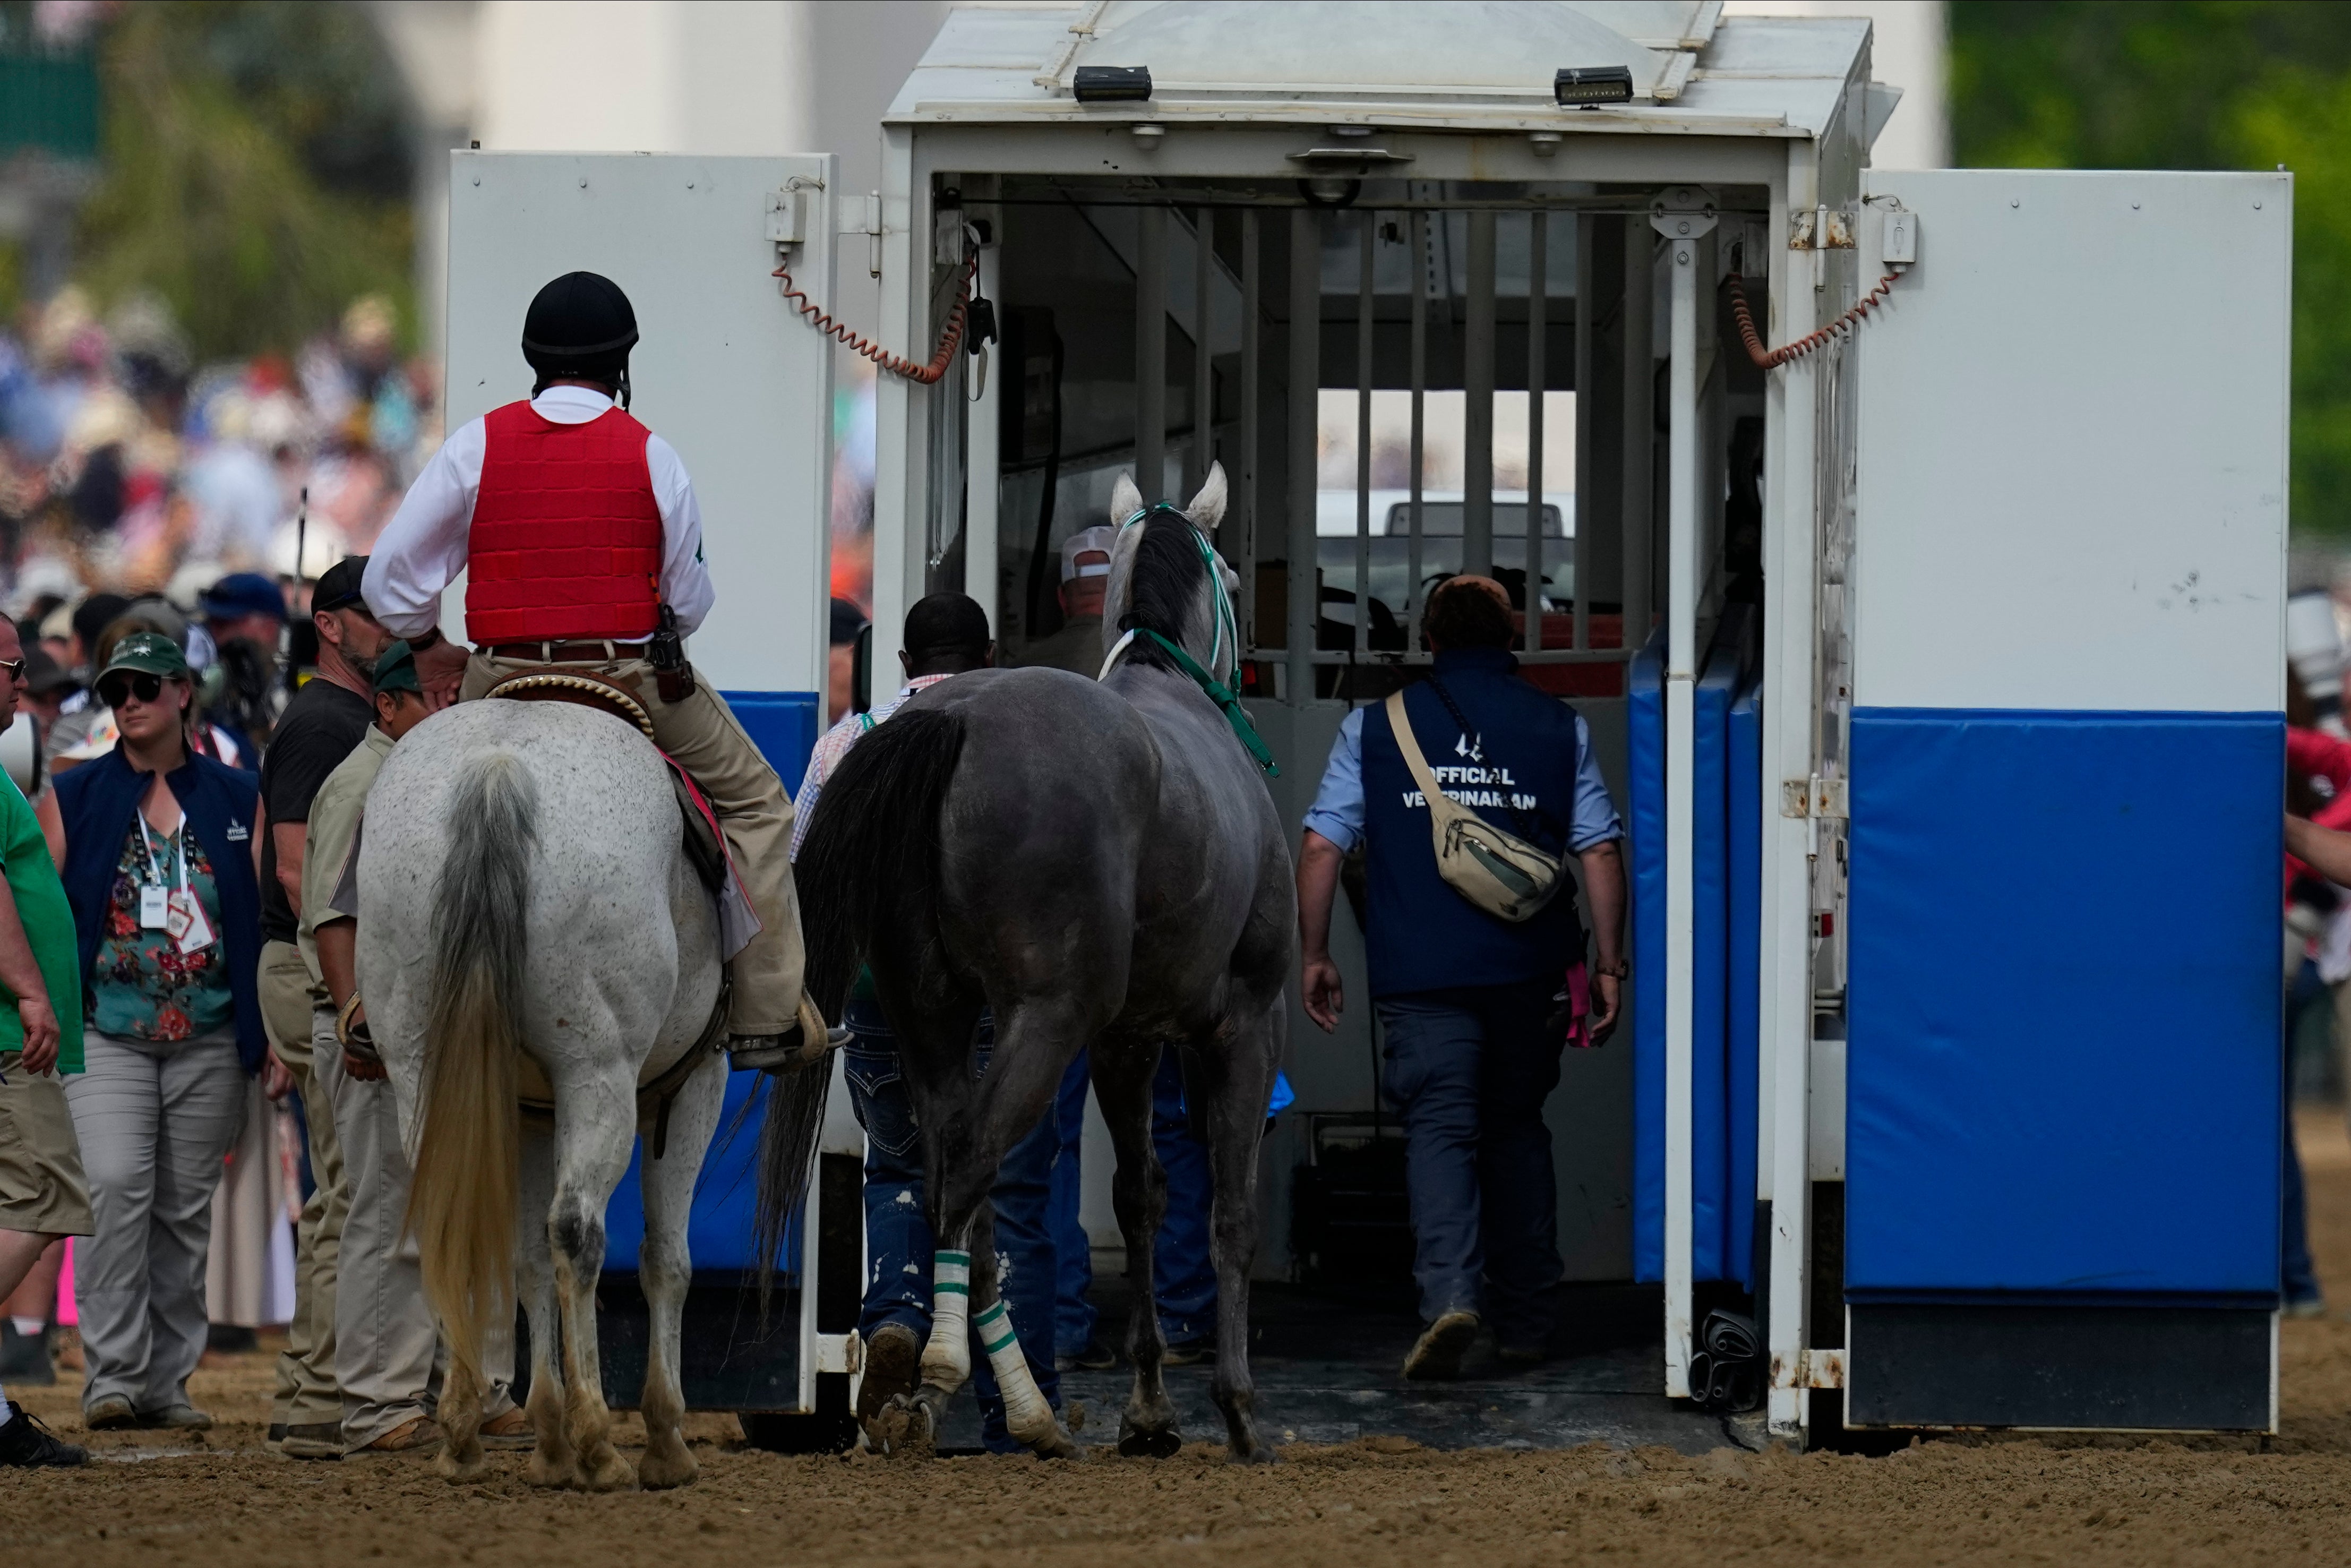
(567,536)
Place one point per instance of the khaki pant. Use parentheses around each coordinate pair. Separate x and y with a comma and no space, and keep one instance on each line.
(308,1394)
(42,1189)
(386,1350)
(703,734)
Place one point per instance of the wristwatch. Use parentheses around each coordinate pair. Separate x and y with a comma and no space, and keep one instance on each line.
(430,639)
(1616,971)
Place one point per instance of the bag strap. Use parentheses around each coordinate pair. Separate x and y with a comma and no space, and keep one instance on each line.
(1520,818)
(1409,744)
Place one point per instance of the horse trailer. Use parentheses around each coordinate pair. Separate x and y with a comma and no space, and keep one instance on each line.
(1936,655)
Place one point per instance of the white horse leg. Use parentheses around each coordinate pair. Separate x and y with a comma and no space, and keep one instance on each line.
(552,1462)
(665,1270)
(595,1131)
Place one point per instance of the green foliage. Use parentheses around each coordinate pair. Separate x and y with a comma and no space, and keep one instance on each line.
(255,170)
(2192,84)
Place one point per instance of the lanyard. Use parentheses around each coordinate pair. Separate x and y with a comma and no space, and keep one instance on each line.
(154,871)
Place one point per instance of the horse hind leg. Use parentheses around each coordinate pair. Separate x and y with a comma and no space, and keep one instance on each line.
(552,1462)
(1139,1195)
(1240,1069)
(666,1270)
(590,1159)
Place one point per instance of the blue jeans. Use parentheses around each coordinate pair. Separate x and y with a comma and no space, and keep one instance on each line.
(1073,1315)
(1470,1069)
(2297,1277)
(898,1239)
(1184,1272)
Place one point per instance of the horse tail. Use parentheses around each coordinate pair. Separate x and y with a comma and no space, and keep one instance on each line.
(463,1193)
(871,857)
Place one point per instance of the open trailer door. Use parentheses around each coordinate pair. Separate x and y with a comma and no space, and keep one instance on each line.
(2063,1072)
(726,373)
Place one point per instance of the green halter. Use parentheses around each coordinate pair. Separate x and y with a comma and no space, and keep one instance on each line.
(1224,696)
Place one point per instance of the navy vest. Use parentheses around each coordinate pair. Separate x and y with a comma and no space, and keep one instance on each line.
(1425,936)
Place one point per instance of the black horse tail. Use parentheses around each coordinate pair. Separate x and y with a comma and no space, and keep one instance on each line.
(871,862)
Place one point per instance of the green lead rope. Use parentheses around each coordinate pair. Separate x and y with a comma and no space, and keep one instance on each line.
(1223,697)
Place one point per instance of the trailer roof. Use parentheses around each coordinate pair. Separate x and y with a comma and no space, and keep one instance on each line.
(1469,64)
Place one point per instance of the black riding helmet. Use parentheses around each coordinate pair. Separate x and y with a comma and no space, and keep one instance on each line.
(580,327)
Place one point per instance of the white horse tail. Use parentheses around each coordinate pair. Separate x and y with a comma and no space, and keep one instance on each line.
(463,1193)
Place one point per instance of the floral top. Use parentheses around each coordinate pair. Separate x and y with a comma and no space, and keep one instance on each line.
(144,986)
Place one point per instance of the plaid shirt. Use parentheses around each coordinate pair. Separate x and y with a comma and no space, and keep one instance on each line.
(834,745)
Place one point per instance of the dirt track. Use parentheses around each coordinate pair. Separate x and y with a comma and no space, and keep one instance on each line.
(229,1504)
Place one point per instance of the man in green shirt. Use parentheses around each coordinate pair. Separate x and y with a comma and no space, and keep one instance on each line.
(44,1196)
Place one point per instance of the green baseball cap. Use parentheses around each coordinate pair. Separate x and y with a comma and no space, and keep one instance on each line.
(149,653)
(395,670)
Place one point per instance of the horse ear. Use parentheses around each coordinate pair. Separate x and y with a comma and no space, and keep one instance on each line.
(1125,500)
(1207,508)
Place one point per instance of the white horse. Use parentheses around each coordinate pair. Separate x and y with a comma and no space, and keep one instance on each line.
(526,900)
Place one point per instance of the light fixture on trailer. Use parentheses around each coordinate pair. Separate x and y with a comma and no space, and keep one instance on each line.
(1589,87)
(1111,84)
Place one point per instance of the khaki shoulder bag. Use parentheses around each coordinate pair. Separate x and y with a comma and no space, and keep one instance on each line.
(1500,872)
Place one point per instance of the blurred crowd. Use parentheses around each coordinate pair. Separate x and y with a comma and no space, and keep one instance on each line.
(126,466)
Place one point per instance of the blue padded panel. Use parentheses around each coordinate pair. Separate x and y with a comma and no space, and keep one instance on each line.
(1746,883)
(1711,968)
(2064,1071)
(1645,742)
(784,725)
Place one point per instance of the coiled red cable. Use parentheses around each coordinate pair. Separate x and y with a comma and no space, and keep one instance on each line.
(925,374)
(1768,358)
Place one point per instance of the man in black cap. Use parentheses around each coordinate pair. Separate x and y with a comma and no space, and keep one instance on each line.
(582,543)
(321,726)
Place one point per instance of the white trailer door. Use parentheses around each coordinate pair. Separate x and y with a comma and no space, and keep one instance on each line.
(726,371)
(2063,1084)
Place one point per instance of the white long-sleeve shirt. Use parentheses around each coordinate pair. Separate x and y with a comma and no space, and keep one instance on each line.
(423,547)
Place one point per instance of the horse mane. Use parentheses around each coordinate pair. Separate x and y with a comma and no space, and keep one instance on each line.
(1163,586)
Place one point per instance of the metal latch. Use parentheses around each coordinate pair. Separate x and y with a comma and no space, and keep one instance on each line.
(840,1353)
(1814,797)
(1806,230)
(866,218)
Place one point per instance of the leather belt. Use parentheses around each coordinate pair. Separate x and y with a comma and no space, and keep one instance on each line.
(598,651)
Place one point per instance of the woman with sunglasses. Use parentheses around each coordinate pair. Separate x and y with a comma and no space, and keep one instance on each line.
(157,859)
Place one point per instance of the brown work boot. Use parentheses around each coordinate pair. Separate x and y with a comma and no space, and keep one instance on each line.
(893,1359)
(415,1438)
(511,1430)
(1435,1356)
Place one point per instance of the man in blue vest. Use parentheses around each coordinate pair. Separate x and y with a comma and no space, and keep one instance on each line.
(1472,1005)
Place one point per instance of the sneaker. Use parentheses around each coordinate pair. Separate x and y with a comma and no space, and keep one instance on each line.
(176,1418)
(2310,1306)
(893,1359)
(25,1357)
(1437,1354)
(275,1442)
(412,1439)
(313,1440)
(1188,1352)
(110,1413)
(1096,1356)
(512,1430)
(25,1442)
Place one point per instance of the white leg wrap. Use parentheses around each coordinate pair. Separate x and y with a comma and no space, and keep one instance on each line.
(947,1359)
(1026,1415)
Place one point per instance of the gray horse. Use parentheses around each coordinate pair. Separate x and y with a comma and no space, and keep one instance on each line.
(1102,866)
(527,909)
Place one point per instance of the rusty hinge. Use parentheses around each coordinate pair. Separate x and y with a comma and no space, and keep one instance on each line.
(1814,797)
(1805,230)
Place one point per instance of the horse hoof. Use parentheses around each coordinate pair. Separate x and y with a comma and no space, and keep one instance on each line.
(1052,1444)
(456,1471)
(611,1473)
(658,1472)
(543,1471)
(903,1429)
(1259,1455)
(1138,1444)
